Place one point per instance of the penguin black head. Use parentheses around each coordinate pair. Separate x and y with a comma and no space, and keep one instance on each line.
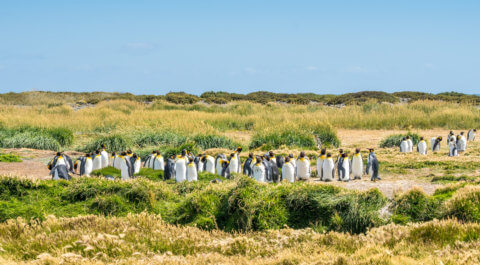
(232,155)
(154,152)
(134,155)
(475,130)
(302,154)
(239,149)
(59,154)
(113,153)
(344,155)
(371,150)
(404,138)
(340,151)
(439,138)
(462,133)
(190,160)
(323,151)
(129,151)
(203,159)
(357,150)
(104,146)
(271,154)
(123,153)
(184,152)
(421,138)
(451,132)
(329,155)
(97,152)
(287,159)
(290,155)
(250,155)
(408,137)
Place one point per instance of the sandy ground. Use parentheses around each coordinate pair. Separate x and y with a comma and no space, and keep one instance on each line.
(35,161)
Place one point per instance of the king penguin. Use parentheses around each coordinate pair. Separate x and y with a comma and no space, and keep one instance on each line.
(357,165)
(303,167)
(328,168)
(404,145)
(422,146)
(372,165)
(97,160)
(461,142)
(409,144)
(181,168)
(288,171)
(435,143)
(320,160)
(88,167)
(247,166)
(125,166)
(471,135)
(452,147)
(209,164)
(192,170)
(344,168)
(104,156)
(158,163)
(258,170)
(169,172)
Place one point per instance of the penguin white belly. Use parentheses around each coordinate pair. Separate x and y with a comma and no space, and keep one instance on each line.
(432,144)
(357,167)
(328,167)
(462,144)
(210,167)
(97,163)
(180,170)
(319,166)
(422,148)
(192,172)
(288,172)
(200,166)
(303,169)
(259,173)
(404,147)
(137,166)
(124,170)
(409,145)
(104,156)
(219,167)
(88,167)
(60,161)
(346,175)
(158,164)
(233,165)
(294,163)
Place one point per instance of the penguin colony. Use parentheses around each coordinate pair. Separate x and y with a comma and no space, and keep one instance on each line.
(456,144)
(265,168)
(186,166)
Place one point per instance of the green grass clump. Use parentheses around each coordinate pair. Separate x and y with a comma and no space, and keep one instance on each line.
(289,138)
(114,143)
(213,141)
(451,178)
(327,135)
(465,204)
(395,140)
(9,158)
(159,138)
(415,206)
(35,137)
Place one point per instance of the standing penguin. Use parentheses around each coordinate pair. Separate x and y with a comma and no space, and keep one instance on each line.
(136,163)
(59,159)
(461,143)
(452,147)
(409,144)
(328,168)
(280,161)
(209,164)
(97,160)
(226,169)
(340,152)
(372,165)
(268,169)
(169,172)
(199,163)
(422,146)
(233,163)
(125,166)
(218,163)
(104,156)
(320,160)
(344,168)
(149,160)
(288,171)
(292,160)
(275,172)
(471,135)
(238,168)
(181,169)
(303,167)
(259,170)
(247,166)
(404,145)
(192,171)
(357,165)
(435,143)
(158,163)
(450,134)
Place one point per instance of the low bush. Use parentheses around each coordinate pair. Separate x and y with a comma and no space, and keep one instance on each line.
(213,141)
(9,158)
(395,140)
(465,204)
(35,137)
(159,138)
(114,143)
(289,138)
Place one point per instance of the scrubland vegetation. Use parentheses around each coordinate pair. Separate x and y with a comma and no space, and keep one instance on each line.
(149,220)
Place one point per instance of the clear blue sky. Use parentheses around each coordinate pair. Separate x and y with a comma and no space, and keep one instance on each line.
(153,47)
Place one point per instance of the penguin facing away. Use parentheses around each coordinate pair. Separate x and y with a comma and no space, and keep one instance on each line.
(169,172)
(320,160)
(247,166)
(60,172)
(344,168)
(471,135)
(372,165)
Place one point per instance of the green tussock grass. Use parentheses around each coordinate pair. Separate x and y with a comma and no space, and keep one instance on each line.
(395,140)
(9,158)
(35,137)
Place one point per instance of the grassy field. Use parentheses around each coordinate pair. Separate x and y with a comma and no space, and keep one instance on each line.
(425,209)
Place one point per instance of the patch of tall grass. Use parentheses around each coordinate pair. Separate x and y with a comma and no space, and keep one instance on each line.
(35,137)
(395,140)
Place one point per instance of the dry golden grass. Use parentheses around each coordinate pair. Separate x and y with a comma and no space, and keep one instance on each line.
(146,239)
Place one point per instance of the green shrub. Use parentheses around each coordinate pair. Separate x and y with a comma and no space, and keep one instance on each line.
(9,158)
(465,204)
(181,98)
(395,140)
(31,140)
(114,143)
(417,206)
(62,135)
(109,205)
(213,141)
(327,135)
(192,147)
(159,138)
(289,138)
